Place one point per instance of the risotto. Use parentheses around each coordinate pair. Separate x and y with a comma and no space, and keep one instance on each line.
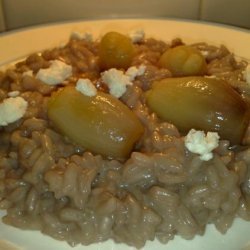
(126,138)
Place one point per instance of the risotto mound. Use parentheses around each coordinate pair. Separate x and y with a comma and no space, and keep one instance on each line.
(97,149)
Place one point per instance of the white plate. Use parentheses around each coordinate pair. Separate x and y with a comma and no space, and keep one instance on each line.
(16,45)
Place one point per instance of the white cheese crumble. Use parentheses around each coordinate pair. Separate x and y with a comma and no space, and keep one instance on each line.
(86,87)
(56,73)
(133,72)
(14,93)
(87,36)
(12,109)
(137,35)
(117,81)
(199,143)
(247,74)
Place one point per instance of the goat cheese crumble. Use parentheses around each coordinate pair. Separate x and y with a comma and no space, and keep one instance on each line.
(56,73)
(133,72)
(137,35)
(87,36)
(199,143)
(12,109)
(118,81)
(86,87)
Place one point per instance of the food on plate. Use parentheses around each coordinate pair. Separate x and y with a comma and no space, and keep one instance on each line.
(100,123)
(115,51)
(125,137)
(183,60)
(202,103)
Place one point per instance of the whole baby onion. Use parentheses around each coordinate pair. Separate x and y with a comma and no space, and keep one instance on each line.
(116,51)
(183,60)
(200,103)
(101,123)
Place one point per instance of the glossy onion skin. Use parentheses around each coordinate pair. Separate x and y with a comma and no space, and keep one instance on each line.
(183,61)
(116,51)
(200,103)
(101,124)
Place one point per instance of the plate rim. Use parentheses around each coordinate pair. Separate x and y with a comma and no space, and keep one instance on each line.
(20,35)
(87,20)
(175,20)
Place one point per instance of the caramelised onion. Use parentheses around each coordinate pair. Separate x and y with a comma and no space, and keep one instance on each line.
(183,60)
(100,123)
(201,103)
(116,51)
